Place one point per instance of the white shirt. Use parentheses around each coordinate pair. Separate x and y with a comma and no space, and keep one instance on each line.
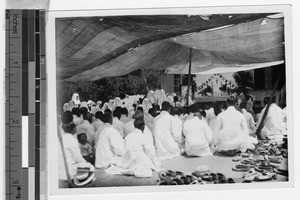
(167,136)
(88,129)
(110,146)
(198,136)
(73,155)
(210,114)
(273,124)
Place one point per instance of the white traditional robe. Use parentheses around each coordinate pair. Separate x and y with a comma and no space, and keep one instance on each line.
(139,159)
(232,131)
(167,136)
(119,126)
(129,128)
(249,120)
(124,119)
(198,136)
(273,125)
(109,148)
(96,124)
(88,129)
(73,156)
(98,132)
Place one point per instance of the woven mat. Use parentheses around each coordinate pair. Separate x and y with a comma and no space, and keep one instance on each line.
(183,163)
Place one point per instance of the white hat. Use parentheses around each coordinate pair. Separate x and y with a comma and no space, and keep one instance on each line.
(85,174)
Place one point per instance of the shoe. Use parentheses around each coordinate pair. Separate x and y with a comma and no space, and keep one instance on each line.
(171,173)
(230,180)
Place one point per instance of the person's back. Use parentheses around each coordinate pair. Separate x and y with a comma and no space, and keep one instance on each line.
(232,129)
(166,135)
(198,136)
(273,122)
(110,145)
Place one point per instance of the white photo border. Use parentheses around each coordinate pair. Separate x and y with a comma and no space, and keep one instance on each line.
(52,166)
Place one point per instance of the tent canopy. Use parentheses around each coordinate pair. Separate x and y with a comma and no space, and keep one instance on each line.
(92,48)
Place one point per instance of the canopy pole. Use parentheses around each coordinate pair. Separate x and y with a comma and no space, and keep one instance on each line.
(70,183)
(189,78)
(262,123)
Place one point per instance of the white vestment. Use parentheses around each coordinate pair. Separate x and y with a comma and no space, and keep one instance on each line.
(109,148)
(232,131)
(119,126)
(198,136)
(167,136)
(139,159)
(273,124)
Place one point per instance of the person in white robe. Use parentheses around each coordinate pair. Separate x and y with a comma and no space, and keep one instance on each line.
(214,122)
(77,116)
(117,124)
(198,135)
(249,118)
(160,95)
(97,122)
(71,148)
(273,124)
(86,127)
(232,130)
(129,126)
(139,159)
(124,115)
(152,98)
(76,99)
(109,146)
(166,134)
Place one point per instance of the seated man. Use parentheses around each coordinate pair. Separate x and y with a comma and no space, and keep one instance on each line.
(166,134)
(232,130)
(117,124)
(198,134)
(273,124)
(109,146)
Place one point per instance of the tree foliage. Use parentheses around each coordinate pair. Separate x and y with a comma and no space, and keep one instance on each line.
(244,81)
(108,88)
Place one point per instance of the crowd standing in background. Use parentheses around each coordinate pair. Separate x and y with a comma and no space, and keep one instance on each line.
(132,135)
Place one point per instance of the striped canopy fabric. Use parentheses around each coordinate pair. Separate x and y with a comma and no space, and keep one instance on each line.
(92,48)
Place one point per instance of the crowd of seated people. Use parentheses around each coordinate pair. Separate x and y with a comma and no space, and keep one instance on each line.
(131,137)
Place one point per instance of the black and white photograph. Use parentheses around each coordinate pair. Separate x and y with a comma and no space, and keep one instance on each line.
(170,99)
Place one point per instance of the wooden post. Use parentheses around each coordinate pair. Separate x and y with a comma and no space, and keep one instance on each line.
(189,77)
(261,125)
(70,184)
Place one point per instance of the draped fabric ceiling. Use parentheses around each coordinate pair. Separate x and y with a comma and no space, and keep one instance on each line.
(92,48)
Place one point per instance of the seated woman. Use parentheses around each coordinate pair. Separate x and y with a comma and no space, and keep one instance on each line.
(71,147)
(139,159)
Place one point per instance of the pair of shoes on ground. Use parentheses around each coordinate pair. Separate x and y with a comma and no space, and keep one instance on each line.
(256,176)
(170,177)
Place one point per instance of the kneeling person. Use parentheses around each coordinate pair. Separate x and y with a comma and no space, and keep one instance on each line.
(110,145)
(198,134)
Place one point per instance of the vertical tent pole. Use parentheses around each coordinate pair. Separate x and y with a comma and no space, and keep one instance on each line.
(189,77)
(262,123)
(70,184)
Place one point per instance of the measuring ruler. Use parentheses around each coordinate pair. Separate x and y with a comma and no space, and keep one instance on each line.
(25,105)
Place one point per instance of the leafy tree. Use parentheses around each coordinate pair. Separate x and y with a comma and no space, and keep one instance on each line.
(109,87)
(244,81)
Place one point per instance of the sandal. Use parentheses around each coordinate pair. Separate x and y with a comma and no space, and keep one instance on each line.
(238,168)
(207,178)
(230,180)
(164,178)
(248,162)
(237,158)
(171,173)
(281,172)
